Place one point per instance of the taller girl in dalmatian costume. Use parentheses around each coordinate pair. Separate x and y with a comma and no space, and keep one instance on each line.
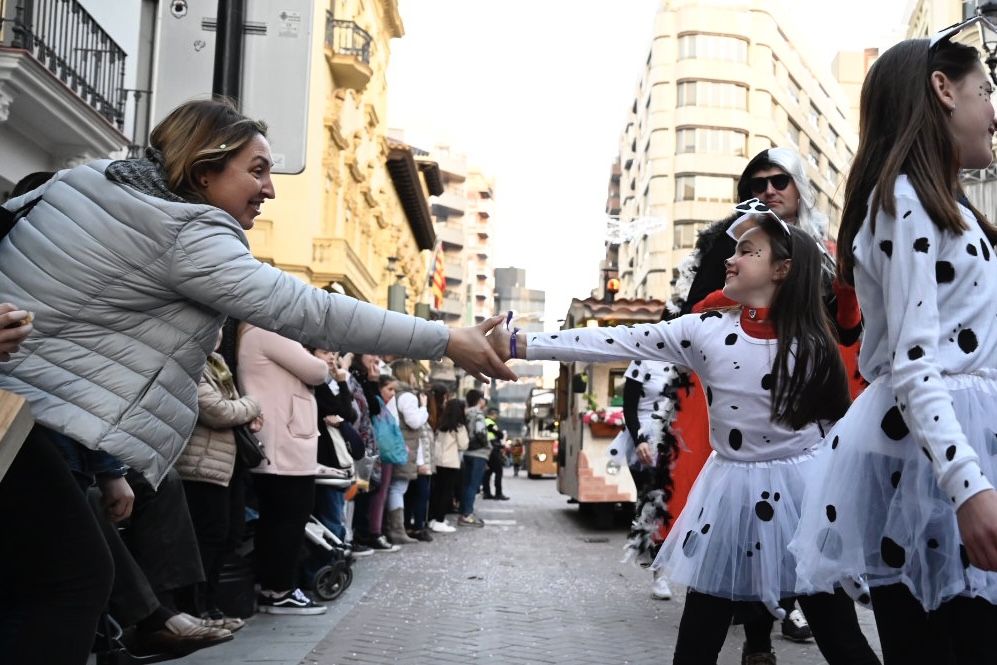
(905,494)
(774,381)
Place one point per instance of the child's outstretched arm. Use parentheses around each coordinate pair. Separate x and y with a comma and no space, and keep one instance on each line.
(672,341)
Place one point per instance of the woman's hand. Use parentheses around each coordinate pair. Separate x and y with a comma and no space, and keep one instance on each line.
(977,519)
(117,497)
(472,350)
(424,470)
(373,365)
(256,424)
(644,453)
(15,326)
(334,420)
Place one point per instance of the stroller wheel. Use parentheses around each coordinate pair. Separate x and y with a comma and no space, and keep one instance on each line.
(331,581)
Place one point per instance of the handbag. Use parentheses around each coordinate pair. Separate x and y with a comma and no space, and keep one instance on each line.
(390,441)
(344,460)
(248,448)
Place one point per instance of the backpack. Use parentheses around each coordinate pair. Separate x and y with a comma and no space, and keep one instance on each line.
(387,433)
(479,441)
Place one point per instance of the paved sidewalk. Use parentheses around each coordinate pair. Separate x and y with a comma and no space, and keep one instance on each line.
(539,585)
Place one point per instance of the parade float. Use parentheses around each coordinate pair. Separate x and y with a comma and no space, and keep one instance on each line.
(589,400)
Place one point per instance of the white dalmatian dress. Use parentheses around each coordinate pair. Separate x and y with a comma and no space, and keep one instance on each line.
(920,440)
(655,410)
(731,540)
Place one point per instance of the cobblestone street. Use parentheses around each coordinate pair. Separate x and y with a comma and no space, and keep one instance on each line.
(538,585)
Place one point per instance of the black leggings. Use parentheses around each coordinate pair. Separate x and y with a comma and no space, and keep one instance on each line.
(285,502)
(705,620)
(957,633)
(445,482)
(55,568)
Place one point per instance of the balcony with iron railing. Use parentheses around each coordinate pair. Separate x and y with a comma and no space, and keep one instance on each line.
(347,52)
(62,37)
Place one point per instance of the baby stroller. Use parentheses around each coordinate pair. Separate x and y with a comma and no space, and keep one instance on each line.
(326,566)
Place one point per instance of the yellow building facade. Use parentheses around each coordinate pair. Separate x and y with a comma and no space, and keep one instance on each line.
(356,220)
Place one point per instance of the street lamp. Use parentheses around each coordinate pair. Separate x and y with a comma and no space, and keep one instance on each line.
(988,10)
(397,295)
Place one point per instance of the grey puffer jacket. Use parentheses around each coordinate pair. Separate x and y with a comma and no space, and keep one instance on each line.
(129,290)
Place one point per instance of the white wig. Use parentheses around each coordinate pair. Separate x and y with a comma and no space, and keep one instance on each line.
(809,218)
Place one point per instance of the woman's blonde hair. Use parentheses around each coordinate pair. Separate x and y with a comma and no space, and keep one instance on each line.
(408,372)
(200,136)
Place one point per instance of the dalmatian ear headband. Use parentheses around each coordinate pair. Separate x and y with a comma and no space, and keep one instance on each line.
(751,208)
(948,33)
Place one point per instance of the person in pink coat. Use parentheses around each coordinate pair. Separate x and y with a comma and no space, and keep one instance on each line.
(279,373)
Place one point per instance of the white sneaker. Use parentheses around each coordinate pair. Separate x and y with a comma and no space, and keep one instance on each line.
(660,589)
(440,527)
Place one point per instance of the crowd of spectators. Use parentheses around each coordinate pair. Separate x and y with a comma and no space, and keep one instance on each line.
(154,464)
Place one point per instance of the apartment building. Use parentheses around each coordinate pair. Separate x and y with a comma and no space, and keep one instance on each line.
(722,81)
(513,399)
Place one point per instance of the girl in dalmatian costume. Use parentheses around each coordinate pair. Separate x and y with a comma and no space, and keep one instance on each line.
(774,383)
(904,494)
(649,447)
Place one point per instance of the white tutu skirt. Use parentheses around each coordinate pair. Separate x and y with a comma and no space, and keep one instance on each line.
(732,538)
(874,507)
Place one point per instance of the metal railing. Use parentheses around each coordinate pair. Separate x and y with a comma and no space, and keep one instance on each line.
(65,39)
(347,38)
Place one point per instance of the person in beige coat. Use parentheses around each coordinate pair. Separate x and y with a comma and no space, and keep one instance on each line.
(279,373)
(213,479)
(449,443)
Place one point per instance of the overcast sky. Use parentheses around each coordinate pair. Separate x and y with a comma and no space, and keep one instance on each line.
(536,92)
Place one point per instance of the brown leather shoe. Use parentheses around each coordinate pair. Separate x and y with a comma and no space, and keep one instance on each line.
(182,635)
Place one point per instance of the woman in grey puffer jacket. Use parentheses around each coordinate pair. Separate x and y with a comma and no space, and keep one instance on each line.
(130,268)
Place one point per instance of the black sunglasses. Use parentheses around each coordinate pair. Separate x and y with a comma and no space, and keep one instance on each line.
(780,181)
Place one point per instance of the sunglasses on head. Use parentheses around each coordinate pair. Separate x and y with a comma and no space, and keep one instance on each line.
(750,208)
(780,181)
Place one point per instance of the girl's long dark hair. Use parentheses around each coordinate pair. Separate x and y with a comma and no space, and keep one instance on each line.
(903,128)
(453,416)
(809,382)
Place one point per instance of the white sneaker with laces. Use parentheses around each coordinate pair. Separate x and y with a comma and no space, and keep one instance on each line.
(440,527)
(660,589)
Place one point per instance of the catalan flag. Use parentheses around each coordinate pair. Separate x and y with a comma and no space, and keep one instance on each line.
(439,280)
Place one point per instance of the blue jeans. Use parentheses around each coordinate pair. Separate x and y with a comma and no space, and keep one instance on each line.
(329,504)
(396,493)
(474,471)
(417,502)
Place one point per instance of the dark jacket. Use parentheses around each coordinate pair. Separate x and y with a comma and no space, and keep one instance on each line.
(336,405)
